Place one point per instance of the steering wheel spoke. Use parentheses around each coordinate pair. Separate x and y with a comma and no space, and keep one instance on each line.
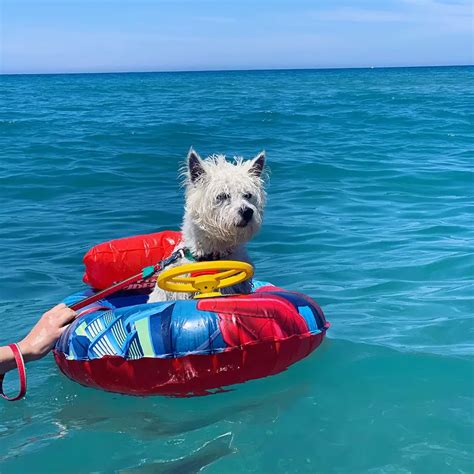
(226,274)
(183,279)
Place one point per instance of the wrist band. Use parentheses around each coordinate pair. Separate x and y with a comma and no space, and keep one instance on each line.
(20,364)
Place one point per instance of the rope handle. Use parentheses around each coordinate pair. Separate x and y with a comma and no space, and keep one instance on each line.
(20,364)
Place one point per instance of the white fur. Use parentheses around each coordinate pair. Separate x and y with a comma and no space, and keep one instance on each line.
(216,190)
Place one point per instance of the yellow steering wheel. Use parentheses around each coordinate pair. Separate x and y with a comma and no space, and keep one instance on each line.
(223,273)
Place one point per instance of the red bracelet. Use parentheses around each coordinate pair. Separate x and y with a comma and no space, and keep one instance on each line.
(20,363)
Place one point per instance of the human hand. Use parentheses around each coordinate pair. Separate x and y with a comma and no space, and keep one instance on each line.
(45,333)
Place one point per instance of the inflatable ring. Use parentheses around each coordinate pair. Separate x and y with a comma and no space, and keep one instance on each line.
(183,347)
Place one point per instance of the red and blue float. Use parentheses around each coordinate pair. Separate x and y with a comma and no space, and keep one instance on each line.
(191,347)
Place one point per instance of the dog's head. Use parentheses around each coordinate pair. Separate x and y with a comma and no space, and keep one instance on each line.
(224,199)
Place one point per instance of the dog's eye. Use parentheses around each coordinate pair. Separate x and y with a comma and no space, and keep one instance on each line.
(248,195)
(222,197)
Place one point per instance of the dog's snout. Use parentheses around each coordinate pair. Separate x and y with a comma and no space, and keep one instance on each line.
(246,213)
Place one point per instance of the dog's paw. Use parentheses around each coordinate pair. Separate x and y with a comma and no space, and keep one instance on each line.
(157,295)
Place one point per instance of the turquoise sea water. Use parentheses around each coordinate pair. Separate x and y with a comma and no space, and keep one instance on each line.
(370,212)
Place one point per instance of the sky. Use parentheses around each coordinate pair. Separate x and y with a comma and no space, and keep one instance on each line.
(40,36)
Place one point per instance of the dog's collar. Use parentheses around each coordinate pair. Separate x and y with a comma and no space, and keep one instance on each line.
(203,258)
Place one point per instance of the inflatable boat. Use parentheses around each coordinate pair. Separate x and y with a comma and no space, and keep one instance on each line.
(182,347)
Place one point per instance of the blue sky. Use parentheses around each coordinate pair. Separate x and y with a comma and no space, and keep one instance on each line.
(156,35)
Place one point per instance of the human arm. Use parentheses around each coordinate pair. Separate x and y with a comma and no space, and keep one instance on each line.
(41,339)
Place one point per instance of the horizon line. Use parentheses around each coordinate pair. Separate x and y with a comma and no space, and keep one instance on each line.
(174,71)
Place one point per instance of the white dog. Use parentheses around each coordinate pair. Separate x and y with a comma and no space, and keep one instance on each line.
(223,210)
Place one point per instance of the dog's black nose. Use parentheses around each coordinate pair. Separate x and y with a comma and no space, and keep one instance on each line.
(246,213)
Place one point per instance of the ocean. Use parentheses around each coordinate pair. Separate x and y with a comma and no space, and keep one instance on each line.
(370,212)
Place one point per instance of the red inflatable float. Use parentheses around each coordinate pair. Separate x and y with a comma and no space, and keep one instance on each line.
(118,259)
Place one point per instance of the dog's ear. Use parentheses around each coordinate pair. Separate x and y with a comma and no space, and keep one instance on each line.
(257,164)
(194,165)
